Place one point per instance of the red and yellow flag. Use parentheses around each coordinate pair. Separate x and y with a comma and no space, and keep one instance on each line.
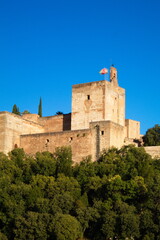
(104,71)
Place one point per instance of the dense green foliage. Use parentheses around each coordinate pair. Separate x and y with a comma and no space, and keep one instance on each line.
(152,136)
(40,108)
(15,110)
(45,197)
(25,112)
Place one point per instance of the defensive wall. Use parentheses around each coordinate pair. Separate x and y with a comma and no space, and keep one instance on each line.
(79,140)
(97,122)
(132,129)
(83,142)
(154,151)
(55,123)
(11,126)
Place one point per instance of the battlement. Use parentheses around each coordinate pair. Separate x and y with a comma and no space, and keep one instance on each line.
(89,84)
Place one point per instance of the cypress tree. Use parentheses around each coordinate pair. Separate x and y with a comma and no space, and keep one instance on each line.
(40,108)
(15,110)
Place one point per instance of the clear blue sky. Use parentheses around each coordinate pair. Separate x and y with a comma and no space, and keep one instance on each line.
(47,46)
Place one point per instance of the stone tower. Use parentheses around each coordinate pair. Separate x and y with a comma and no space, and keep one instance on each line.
(98,101)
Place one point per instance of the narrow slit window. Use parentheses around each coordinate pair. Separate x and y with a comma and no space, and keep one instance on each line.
(102,132)
(88,97)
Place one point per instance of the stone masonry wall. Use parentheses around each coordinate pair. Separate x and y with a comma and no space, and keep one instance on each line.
(2,131)
(88,101)
(97,101)
(80,142)
(114,104)
(116,135)
(100,137)
(154,151)
(108,134)
(12,127)
(132,129)
(55,123)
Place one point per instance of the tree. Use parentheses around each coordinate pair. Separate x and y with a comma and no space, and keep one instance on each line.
(32,226)
(62,203)
(66,227)
(45,197)
(17,155)
(25,112)
(45,164)
(15,110)
(3,236)
(59,113)
(152,136)
(63,156)
(40,108)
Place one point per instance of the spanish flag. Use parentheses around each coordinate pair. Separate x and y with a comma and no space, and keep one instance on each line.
(104,71)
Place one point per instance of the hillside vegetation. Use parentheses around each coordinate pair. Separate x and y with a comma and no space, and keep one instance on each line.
(152,136)
(47,198)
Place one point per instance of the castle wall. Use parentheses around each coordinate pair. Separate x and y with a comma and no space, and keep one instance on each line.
(116,135)
(97,101)
(154,151)
(2,132)
(132,129)
(114,104)
(101,135)
(97,122)
(31,117)
(55,123)
(106,134)
(12,126)
(80,142)
(67,121)
(88,101)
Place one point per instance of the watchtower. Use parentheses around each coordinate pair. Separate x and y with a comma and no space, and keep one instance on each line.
(98,101)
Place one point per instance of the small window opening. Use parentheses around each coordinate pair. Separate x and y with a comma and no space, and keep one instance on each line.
(88,97)
(102,132)
(47,141)
(70,139)
(16,146)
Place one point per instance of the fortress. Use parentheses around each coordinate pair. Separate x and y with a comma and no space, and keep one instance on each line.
(97,122)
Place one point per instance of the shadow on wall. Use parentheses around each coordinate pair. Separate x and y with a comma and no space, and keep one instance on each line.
(67,122)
